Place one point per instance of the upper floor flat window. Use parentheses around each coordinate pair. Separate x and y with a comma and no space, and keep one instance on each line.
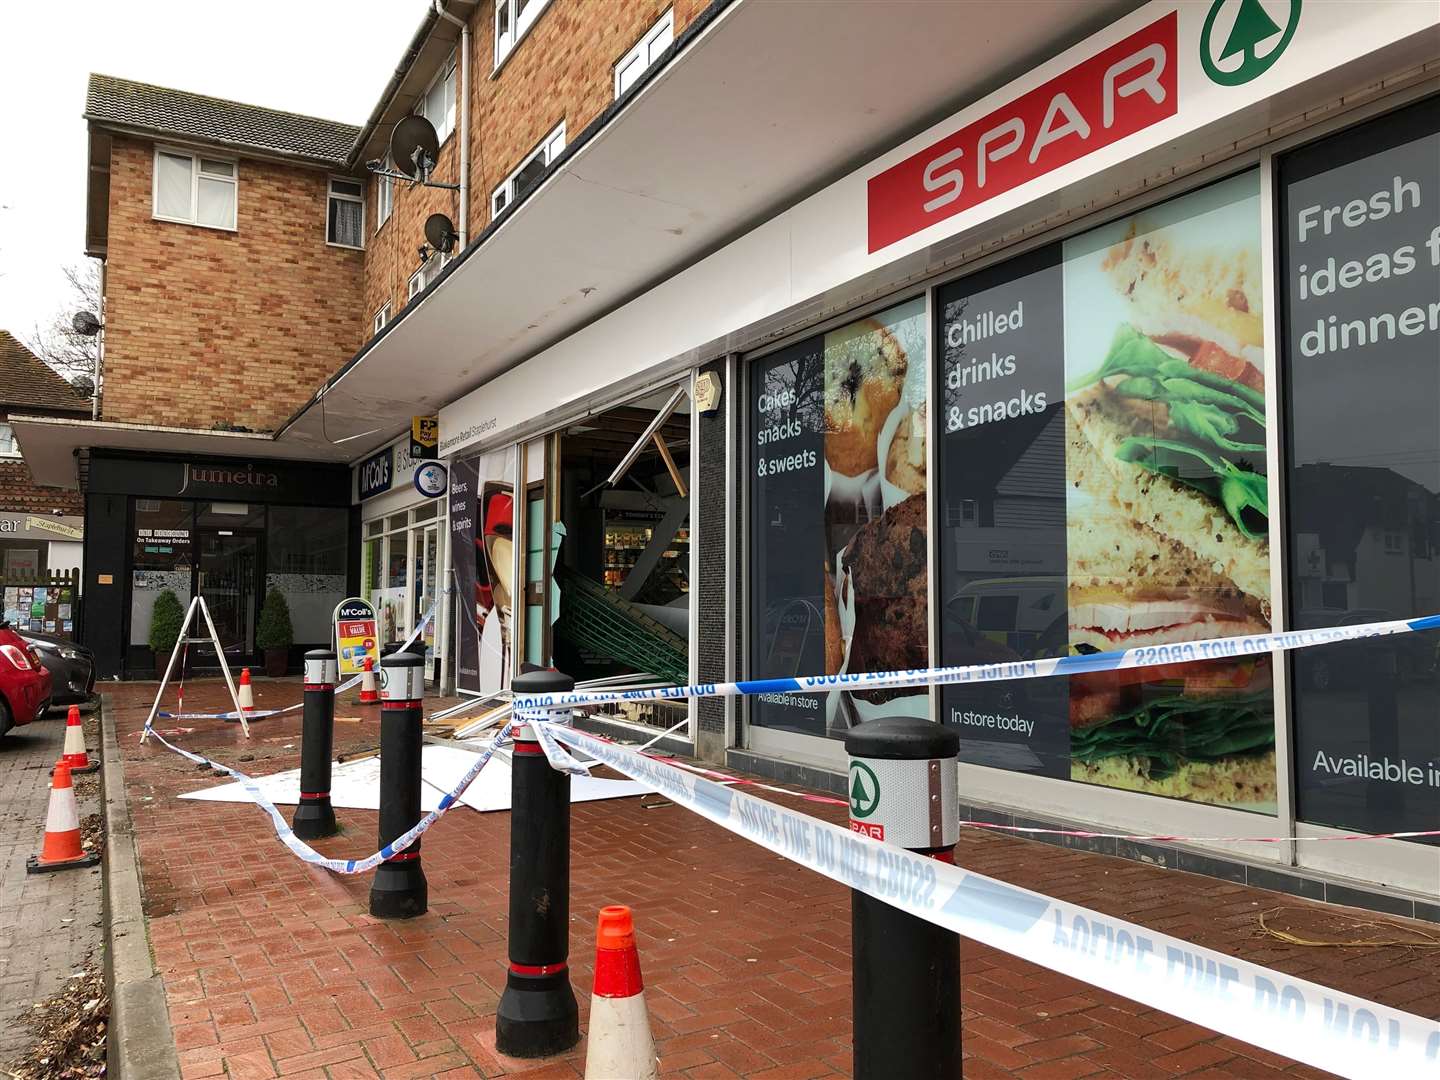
(345,213)
(384,195)
(9,447)
(428,272)
(195,190)
(646,51)
(437,104)
(529,172)
(513,19)
(381,318)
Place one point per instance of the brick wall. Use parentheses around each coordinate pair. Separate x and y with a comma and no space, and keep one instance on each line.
(563,69)
(206,327)
(18,493)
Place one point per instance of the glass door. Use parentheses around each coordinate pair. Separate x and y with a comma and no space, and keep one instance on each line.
(228,577)
(425,591)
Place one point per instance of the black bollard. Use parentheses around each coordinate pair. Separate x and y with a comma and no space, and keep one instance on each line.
(399,890)
(906,971)
(315,817)
(537,1015)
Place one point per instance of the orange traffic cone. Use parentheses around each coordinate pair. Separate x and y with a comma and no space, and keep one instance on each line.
(620,1039)
(245,695)
(368,694)
(62,829)
(75,755)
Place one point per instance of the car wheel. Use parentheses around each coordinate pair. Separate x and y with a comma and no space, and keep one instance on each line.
(1320,675)
(5,722)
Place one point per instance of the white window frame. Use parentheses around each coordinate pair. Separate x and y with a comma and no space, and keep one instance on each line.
(509,36)
(446,125)
(428,272)
(381,318)
(384,195)
(7,439)
(331,195)
(645,52)
(550,148)
(195,157)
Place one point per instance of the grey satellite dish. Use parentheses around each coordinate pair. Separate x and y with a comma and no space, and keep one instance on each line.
(440,233)
(414,146)
(85,324)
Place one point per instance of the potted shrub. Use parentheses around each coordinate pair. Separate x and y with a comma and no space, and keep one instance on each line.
(166,617)
(274,635)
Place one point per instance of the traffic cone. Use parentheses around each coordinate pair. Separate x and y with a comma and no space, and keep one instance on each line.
(244,694)
(75,755)
(620,1039)
(62,829)
(368,694)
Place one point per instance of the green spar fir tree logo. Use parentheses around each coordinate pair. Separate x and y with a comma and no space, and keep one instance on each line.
(864,790)
(1253,25)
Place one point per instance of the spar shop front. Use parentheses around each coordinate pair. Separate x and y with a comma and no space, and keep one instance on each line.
(1140,349)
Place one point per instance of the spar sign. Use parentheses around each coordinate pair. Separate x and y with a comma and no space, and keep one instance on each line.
(355,635)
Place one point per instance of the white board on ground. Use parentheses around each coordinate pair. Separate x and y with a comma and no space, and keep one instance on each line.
(355,785)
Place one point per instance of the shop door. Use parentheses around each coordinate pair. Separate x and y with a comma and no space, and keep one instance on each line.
(228,577)
(424,584)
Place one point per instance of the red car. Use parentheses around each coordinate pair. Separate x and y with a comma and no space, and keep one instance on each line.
(25,686)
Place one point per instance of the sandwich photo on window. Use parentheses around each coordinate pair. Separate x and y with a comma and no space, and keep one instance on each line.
(1167,497)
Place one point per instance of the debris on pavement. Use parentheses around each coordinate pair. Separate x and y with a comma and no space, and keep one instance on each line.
(70,1030)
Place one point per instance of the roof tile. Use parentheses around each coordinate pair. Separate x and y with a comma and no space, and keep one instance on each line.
(25,379)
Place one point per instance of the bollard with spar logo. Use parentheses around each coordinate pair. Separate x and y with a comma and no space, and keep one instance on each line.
(399,890)
(314,816)
(906,983)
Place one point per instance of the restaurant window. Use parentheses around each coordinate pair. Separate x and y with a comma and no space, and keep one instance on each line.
(839,549)
(161,557)
(1102,475)
(305,562)
(1360,276)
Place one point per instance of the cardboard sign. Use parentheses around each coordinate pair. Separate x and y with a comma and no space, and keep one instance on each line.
(355,635)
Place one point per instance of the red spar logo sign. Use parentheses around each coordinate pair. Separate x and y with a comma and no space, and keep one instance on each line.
(1115,93)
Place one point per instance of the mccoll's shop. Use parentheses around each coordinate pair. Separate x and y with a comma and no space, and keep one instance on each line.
(1140,349)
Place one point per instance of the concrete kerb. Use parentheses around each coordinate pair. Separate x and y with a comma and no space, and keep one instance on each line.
(141,1045)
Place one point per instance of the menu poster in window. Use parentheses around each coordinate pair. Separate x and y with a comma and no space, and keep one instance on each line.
(1361,266)
(840,570)
(1002,548)
(1168,501)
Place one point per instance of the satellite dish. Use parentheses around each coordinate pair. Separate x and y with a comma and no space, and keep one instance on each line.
(85,324)
(414,146)
(440,232)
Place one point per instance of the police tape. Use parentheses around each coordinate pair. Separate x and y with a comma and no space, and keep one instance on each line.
(1310,1023)
(348,684)
(1030,830)
(309,855)
(1225,648)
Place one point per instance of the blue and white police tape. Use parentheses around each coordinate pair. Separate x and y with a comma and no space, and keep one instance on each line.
(1225,648)
(309,855)
(1303,1020)
(348,684)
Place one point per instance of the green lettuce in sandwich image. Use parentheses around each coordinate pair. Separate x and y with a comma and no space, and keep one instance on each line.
(1167,526)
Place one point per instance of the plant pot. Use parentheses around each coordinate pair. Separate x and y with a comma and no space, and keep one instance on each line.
(277,662)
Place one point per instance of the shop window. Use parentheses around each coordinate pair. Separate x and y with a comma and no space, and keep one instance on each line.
(1103,445)
(482,529)
(306,551)
(1360,277)
(530,172)
(345,213)
(513,19)
(646,51)
(161,557)
(839,549)
(195,190)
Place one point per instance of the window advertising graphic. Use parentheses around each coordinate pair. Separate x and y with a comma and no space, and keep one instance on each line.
(482,524)
(1361,335)
(839,522)
(1002,544)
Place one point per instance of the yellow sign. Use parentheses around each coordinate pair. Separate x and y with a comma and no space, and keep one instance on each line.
(58,528)
(424,437)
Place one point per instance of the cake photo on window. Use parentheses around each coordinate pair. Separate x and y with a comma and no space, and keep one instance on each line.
(1167,498)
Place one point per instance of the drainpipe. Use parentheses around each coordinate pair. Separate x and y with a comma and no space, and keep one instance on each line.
(464,25)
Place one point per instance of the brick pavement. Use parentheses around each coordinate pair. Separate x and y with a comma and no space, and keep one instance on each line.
(49,923)
(274,969)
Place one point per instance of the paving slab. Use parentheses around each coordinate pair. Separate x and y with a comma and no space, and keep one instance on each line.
(275,969)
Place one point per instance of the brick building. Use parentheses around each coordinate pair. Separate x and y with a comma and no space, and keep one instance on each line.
(712,263)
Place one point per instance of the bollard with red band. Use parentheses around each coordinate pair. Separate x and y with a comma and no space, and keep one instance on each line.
(906,971)
(314,816)
(399,890)
(538,1014)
